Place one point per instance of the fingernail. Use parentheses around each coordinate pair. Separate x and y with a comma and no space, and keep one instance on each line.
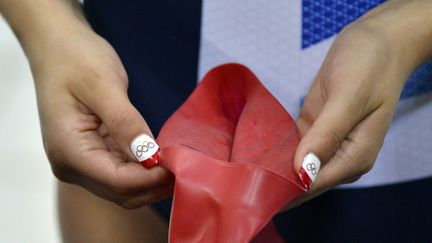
(309,170)
(146,150)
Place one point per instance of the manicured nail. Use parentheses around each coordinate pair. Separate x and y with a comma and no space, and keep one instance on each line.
(309,170)
(146,150)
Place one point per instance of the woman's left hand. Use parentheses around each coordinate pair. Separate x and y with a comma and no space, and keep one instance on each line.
(351,102)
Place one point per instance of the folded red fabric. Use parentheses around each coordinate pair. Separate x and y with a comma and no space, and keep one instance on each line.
(231,147)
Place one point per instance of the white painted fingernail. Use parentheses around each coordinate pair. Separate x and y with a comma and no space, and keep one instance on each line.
(309,170)
(146,150)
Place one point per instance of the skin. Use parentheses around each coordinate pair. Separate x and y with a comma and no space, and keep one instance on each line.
(351,102)
(81,88)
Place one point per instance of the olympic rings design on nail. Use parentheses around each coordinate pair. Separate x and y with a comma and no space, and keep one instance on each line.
(312,168)
(144,147)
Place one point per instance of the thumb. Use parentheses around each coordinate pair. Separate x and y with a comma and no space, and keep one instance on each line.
(323,138)
(123,121)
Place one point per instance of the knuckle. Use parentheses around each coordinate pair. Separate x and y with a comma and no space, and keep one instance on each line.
(51,155)
(352,179)
(164,176)
(61,173)
(366,166)
(51,150)
(130,204)
(335,140)
(121,189)
(306,116)
(363,167)
(58,167)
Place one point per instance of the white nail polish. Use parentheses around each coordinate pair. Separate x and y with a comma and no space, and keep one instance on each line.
(146,150)
(309,170)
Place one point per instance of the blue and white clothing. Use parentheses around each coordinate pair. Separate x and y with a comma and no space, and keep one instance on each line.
(167,46)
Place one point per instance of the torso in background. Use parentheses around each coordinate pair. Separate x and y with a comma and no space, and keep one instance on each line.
(167,45)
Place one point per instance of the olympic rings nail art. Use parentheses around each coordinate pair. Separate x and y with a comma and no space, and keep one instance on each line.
(146,150)
(309,170)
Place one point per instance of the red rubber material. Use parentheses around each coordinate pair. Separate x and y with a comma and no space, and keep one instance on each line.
(231,147)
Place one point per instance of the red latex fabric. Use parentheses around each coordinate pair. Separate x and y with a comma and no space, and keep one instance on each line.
(231,147)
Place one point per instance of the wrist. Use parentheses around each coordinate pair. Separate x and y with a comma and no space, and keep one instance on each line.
(406,29)
(38,24)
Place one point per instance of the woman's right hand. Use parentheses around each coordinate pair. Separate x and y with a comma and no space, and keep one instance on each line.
(87,120)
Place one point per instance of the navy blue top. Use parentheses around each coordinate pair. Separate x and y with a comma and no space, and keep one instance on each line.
(158,43)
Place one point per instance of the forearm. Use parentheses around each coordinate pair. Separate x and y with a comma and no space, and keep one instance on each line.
(37,22)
